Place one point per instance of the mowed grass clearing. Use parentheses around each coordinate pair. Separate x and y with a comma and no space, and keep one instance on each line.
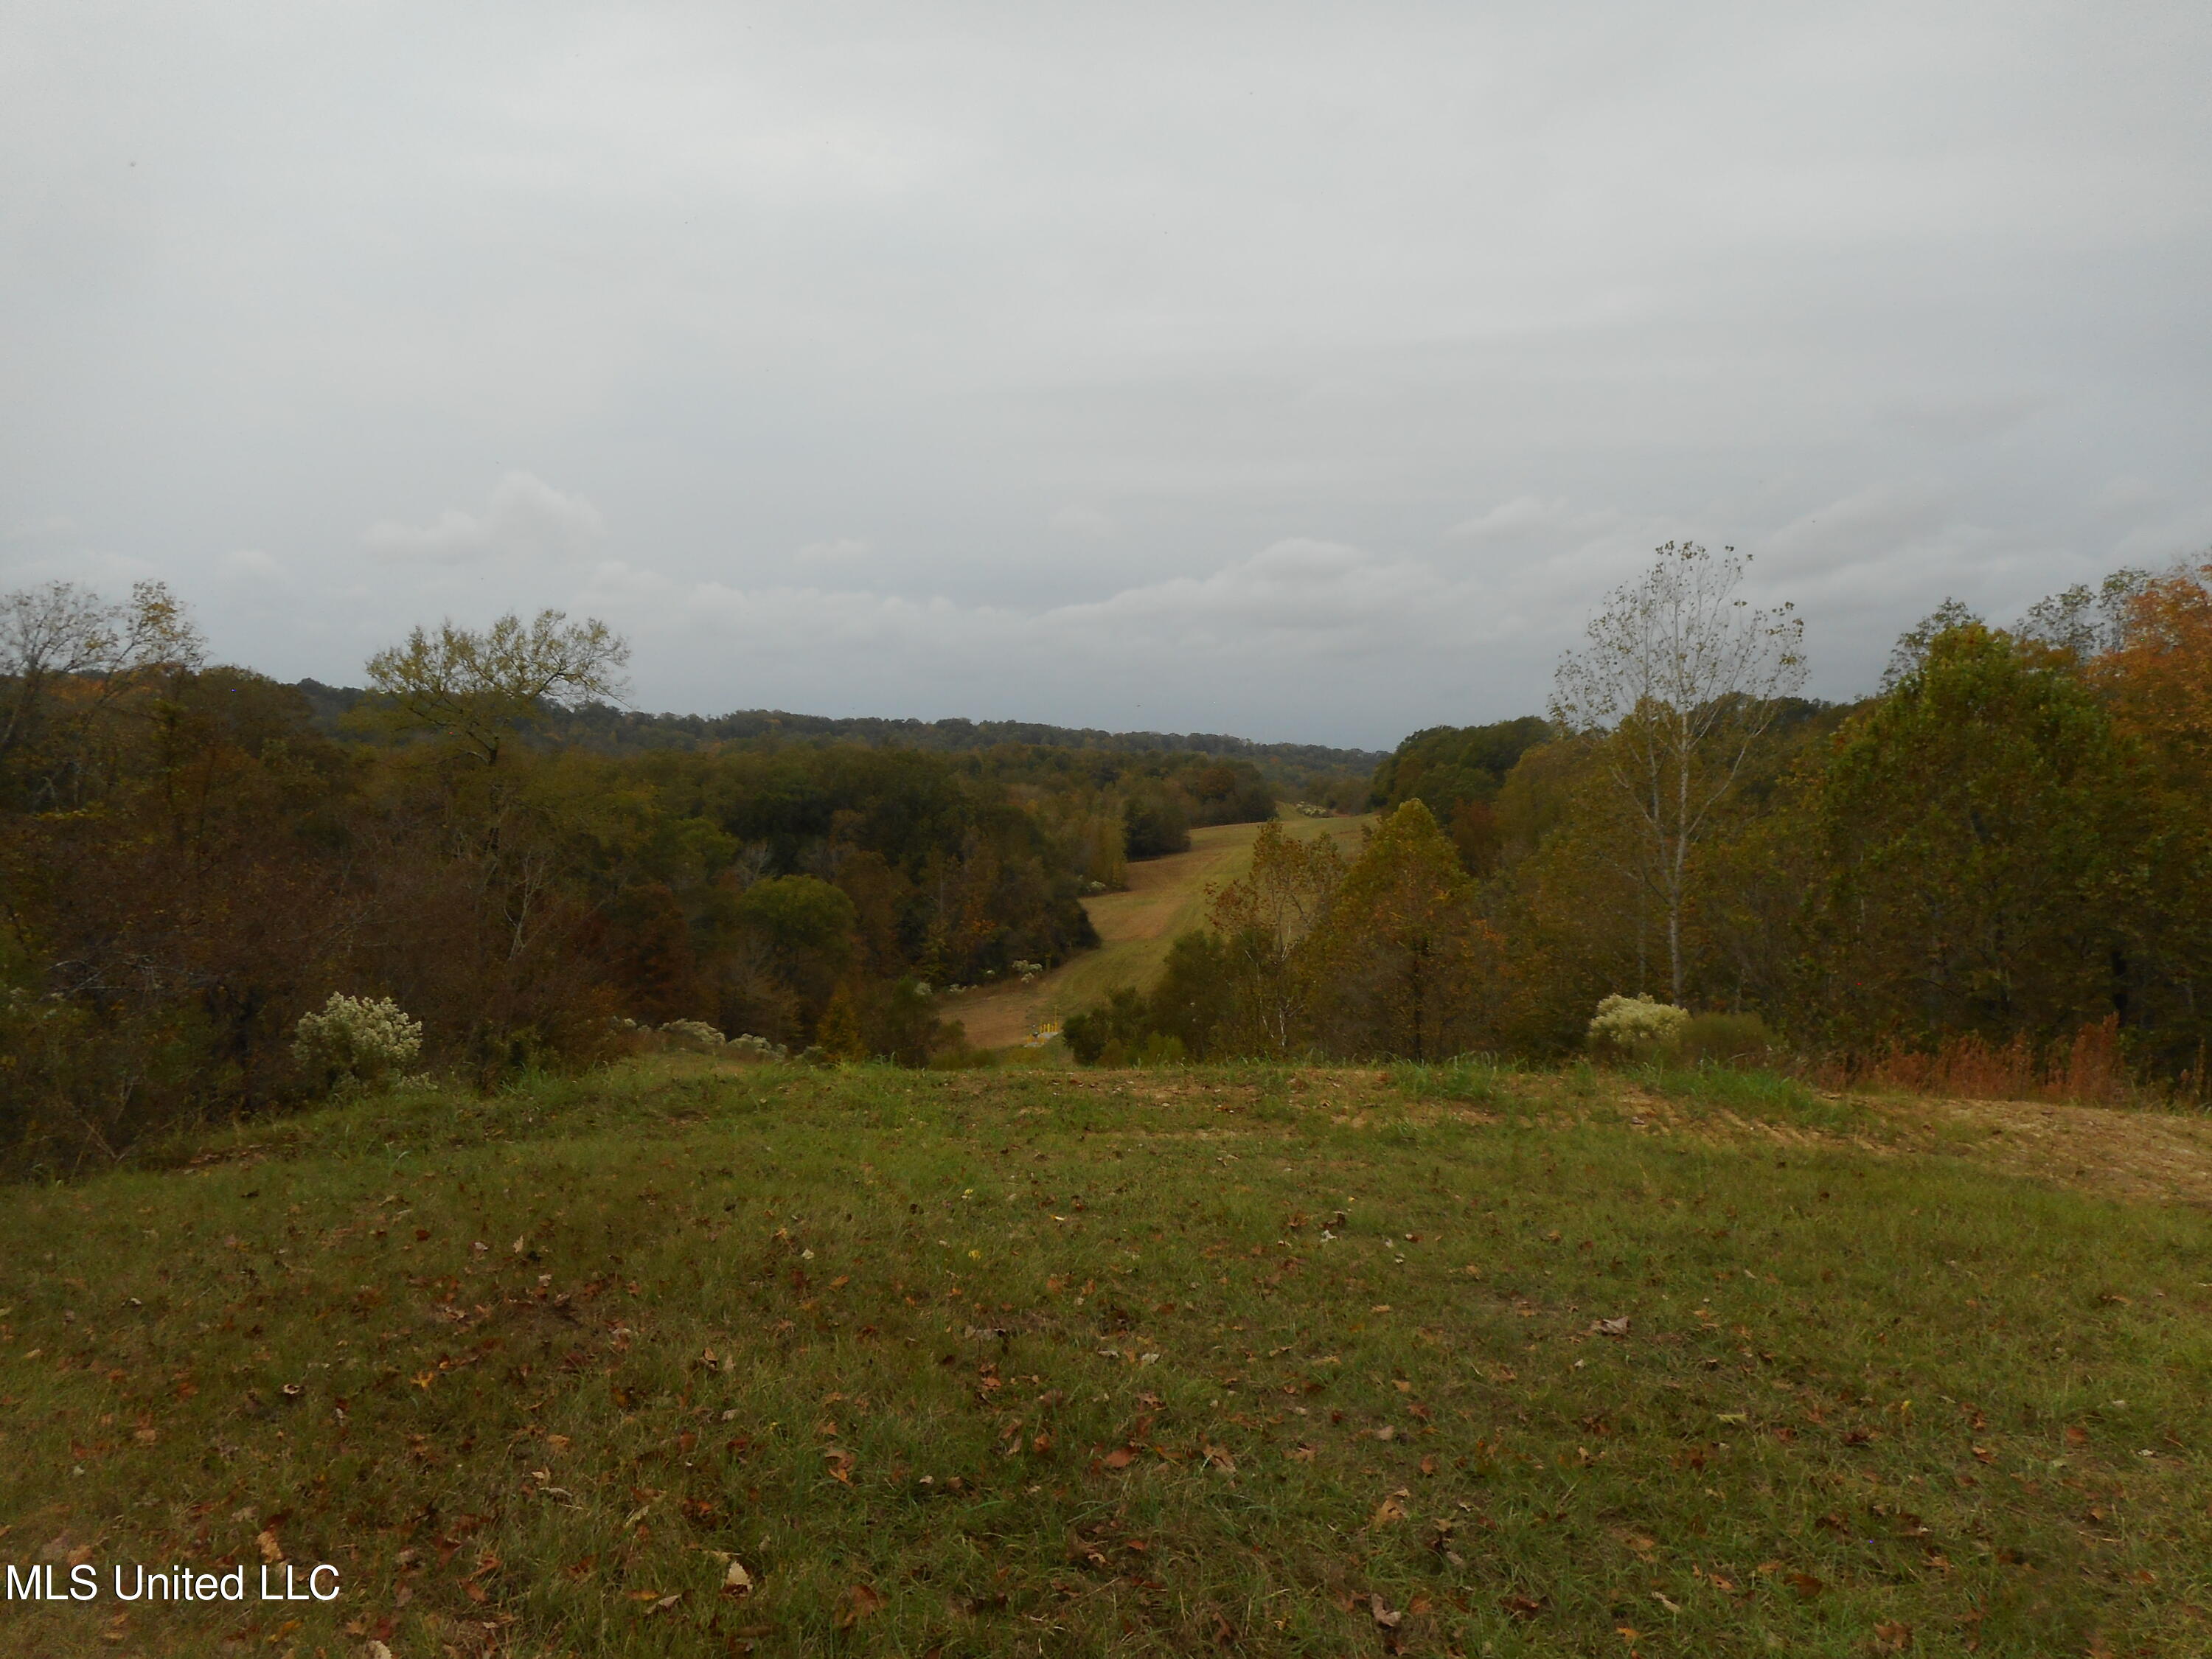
(680,1360)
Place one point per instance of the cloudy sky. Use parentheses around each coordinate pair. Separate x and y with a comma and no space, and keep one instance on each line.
(1301,372)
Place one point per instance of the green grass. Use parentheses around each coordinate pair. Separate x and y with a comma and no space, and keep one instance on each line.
(1170,1361)
(1474,1079)
(1750,1092)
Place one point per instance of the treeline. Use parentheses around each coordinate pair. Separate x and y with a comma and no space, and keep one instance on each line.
(1162,797)
(1300,769)
(1456,772)
(190,861)
(2009,846)
(1110,796)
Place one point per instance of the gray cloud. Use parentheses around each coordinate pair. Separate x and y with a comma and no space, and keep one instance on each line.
(525,518)
(1303,370)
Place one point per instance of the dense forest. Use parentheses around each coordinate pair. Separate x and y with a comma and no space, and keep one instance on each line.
(2001,860)
(1302,770)
(2005,852)
(193,856)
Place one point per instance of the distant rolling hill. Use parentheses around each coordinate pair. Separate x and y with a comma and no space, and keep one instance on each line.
(600,725)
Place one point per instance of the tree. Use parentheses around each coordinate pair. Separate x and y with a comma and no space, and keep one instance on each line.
(1261,921)
(1445,765)
(2086,622)
(66,657)
(2157,669)
(1680,678)
(2156,678)
(1401,962)
(808,930)
(478,689)
(1984,829)
(1154,825)
(1576,919)
(1910,651)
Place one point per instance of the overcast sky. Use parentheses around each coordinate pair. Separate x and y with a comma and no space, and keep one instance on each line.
(1299,372)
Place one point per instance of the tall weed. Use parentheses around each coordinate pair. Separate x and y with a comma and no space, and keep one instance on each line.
(2090,1070)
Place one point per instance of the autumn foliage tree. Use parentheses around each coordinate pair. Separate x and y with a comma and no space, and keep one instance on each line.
(1264,920)
(77,675)
(188,864)
(1406,964)
(2157,679)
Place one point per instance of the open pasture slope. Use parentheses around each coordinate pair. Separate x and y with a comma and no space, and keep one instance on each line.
(679,1361)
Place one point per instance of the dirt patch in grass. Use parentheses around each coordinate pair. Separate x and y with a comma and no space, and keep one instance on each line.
(2161,1157)
(2139,1154)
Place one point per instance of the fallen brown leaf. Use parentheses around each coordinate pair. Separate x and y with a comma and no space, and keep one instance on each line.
(66,1551)
(859,1602)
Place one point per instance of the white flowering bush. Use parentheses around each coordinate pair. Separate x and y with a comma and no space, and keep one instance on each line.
(696,1037)
(693,1033)
(1635,1025)
(356,1039)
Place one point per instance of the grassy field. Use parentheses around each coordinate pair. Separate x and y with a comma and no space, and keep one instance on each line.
(680,1360)
(1164,897)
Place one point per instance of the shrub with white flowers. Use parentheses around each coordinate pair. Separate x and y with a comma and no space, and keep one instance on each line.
(1635,1025)
(361,1039)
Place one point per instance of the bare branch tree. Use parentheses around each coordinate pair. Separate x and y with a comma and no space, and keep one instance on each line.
(1679,678)
(478,688)
(67,656)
